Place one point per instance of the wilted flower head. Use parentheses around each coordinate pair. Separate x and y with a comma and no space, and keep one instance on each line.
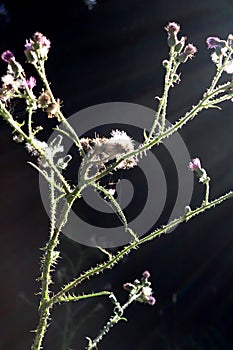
(7,56)
(44,100)
(106,149)
(121,138)
(53,109)
(10,83)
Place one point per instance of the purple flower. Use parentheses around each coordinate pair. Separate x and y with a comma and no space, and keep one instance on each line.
(190,50)
(39,38)
(172,28)
(195,164)
(146,274)
(28,45)
(213,42)
(31,82)
(7,56)
(151,300)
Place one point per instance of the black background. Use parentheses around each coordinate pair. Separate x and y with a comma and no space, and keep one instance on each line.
(114,53)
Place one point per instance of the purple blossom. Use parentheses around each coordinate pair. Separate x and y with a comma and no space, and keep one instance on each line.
(190,50)
(31,83)
(45,42)
(213,42)
(28,45)
(195,164)
(146,274)
(7,56)
(151,301)
(172,28)
(39,38)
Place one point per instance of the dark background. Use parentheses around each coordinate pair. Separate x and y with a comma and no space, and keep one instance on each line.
(114,53)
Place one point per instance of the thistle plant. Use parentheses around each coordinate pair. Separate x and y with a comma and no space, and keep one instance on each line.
(100,157)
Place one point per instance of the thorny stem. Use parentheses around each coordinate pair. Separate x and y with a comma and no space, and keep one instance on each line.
(169,77)
(220,70)
(114,259)
(48,260)
(113,320)
(16,127)
(148,144)
(168,83)
(50,255)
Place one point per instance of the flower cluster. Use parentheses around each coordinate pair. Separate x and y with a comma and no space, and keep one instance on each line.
(183,52)
(37,48)
(14,82)
(141,290)
(222,54)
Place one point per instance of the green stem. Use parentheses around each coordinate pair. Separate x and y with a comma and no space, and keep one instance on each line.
(84,296)
(220,70)
(8,117)
(30,123)
(27,138)
(118,316)
(127,249)
(207,190)
(41,71)
(47,262)
(172,68)
(203,104)
(114,202)
(168,83)
(65,331)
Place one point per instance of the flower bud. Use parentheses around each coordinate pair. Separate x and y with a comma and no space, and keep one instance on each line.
(189,52)
(7,56)
(194,164)
(173,29)
(165,63)
(146,274)
(180,45)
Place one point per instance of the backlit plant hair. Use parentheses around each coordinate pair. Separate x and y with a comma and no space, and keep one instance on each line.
(100,157)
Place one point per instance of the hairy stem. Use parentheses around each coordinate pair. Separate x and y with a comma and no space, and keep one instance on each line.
(127,249)
(47,262)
